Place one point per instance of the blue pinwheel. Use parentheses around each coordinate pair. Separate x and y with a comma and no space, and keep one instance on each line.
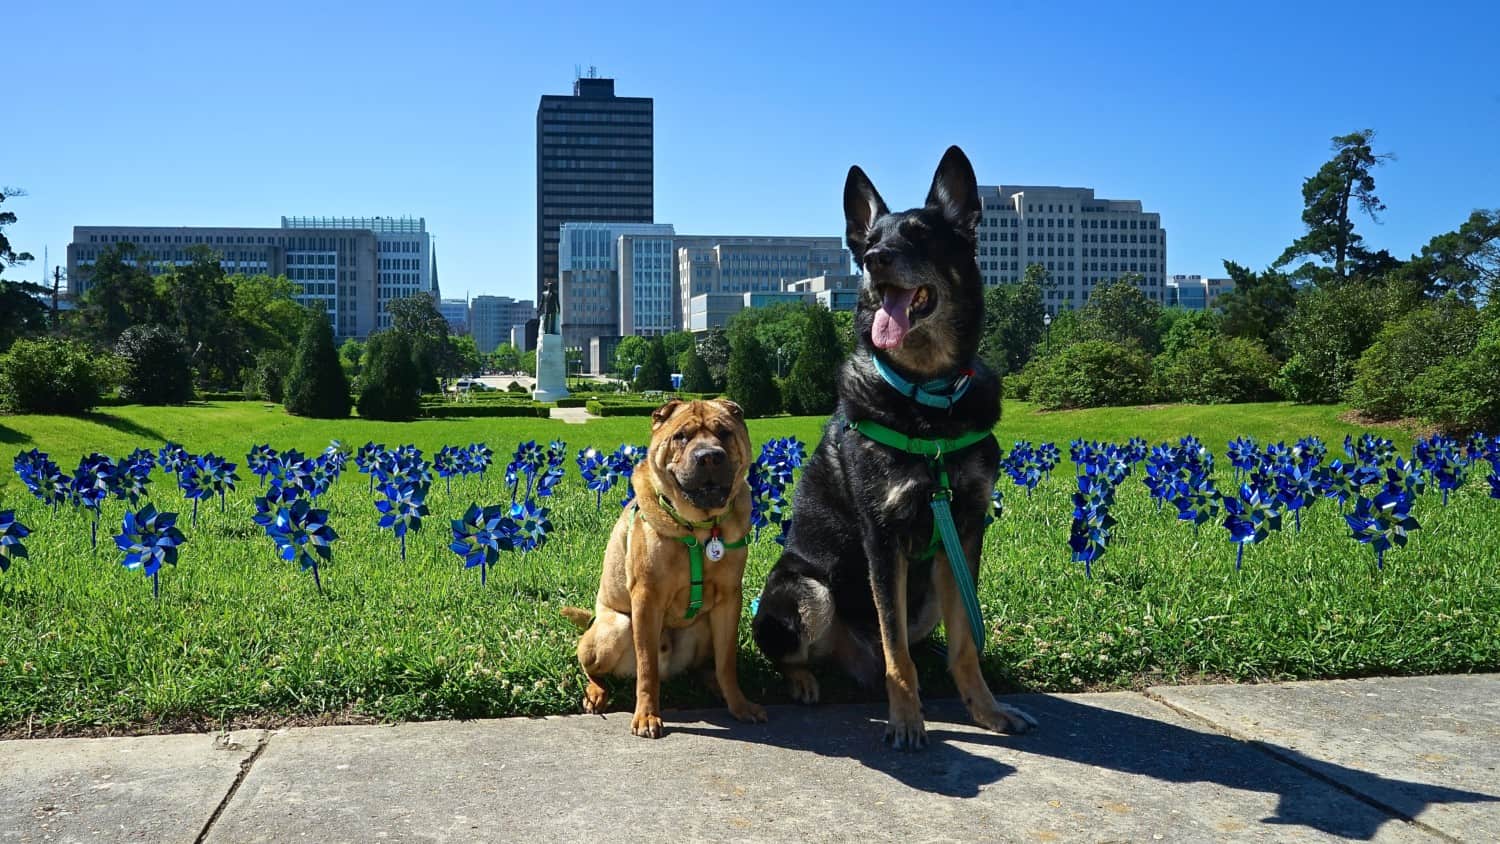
(261,461)
(11,534)
(1024,466)
(479,537)
(194,484)
(530,526)
(149,539)
(303,535)
(173,457)
(446,464)
(1337,481)
(597,473)
(1296,489)
(1494,480)
(402,510)
(130,481)
(93,482)
(1092,523)
(218,476)
(1244,455)
(480,458)
(1250,518)
(622,463)
(1382,522)
(997,506)
(1197,500)
(1441,458)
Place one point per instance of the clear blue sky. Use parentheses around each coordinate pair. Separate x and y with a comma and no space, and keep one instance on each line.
(193,113)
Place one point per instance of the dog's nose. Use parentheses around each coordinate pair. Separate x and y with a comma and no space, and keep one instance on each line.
(878,258)
(709,457)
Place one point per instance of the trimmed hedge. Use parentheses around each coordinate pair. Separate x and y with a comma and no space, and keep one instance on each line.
(571,401)
(620,409)
(461,411)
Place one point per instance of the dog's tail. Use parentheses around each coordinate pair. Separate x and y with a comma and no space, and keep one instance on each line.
(581,618)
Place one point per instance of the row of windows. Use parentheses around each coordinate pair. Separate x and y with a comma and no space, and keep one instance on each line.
(302,259)
(326,244)
(621,141)
(401,263)
(408,246)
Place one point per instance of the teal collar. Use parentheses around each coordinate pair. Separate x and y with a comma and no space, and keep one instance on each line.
(940,393)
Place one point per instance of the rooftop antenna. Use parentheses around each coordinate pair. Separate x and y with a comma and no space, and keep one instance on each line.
(593,72)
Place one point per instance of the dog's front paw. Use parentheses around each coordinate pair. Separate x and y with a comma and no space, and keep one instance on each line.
(803,685)
(646,726)
(907,731)
(1002,719)
(595,698)
(748,711)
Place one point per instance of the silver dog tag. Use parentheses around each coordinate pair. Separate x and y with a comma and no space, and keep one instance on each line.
(714,549)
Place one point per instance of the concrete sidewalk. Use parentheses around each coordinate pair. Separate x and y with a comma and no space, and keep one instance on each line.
(1370,760)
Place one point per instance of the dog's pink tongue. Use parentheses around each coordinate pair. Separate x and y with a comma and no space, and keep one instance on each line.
(892,321)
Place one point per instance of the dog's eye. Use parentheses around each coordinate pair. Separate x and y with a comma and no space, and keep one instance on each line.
(913,230)
(680,437)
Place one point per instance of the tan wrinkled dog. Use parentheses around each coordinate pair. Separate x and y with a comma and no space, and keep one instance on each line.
(691,498)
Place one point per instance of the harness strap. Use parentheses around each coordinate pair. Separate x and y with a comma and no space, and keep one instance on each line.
(940,393)
(695,552)
(944,531)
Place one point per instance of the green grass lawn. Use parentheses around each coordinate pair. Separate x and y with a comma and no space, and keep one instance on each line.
(241,637)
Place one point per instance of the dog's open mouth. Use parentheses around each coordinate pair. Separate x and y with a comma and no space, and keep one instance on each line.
(899,308)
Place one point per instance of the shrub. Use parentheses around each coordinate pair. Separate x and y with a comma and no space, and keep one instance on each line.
(1330,328)
(156,367)
(460,411)
(1462,393)
(392,387)
(1092,373)
(1214,369)
(750,385)
(316,386)
(599,408)
(515,387)
(49,375)
(1406,348)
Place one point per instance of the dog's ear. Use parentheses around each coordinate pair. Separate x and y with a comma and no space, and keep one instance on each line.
(734,410)
(955,192)
(862,207)
(660,415)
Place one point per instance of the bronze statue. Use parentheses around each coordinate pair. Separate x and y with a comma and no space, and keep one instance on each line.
(548,310)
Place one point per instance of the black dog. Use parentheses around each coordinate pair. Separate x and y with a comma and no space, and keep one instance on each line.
(859,580)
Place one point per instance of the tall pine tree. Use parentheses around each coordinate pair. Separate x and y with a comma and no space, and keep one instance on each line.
(750,383)
(316,386)
(812,386)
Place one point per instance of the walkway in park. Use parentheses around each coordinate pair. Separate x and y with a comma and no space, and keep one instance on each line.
(1370,760)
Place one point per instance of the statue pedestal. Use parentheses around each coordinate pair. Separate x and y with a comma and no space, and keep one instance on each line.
(551,369)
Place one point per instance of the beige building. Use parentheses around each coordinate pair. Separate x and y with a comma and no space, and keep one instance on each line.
(1083,242)
(708,265)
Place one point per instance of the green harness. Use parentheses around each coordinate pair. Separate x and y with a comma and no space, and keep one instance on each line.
(944,532)
(695,548)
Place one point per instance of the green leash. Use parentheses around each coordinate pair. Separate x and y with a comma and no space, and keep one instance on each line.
(943,529)
(696,549)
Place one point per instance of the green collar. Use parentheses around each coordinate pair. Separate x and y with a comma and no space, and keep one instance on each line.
(695,549)
(935,448)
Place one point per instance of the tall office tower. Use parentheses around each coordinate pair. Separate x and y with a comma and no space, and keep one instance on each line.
(593,164)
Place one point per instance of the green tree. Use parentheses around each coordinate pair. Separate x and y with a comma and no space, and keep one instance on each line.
(198,300)
(812,386)
(351,358)
(845,322)
(1014,321)
(390,388)
(1121,313)
(316,386)
(119,293)
(630,353)
(779,328)
(157,368)
(505,358)
(465,355)
(654,374)
(22,312)
(1465,261)
(267,379)
(528,362)
(676,344)
(1258,306)
(1329,199)
(426,331)
(1462,393)
(1329,329)
(750,385)
(266,312)
(714,349)
(695,374)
